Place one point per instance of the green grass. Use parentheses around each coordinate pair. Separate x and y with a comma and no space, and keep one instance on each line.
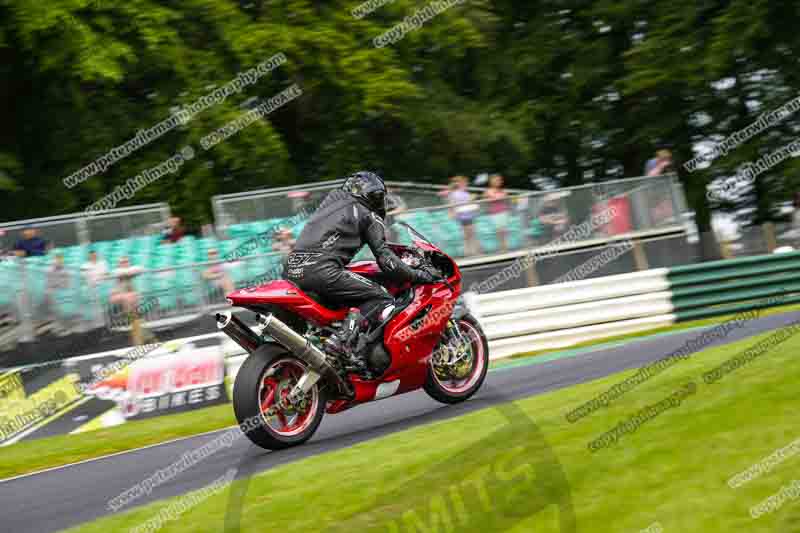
(673,470)
(674,328)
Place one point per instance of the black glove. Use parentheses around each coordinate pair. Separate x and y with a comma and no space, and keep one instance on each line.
(423,276)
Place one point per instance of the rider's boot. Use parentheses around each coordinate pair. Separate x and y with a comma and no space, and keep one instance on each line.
(343,341)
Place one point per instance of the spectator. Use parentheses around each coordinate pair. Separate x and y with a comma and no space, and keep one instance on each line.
(31,245)
(57,291)
(660,164)
(217,274)
(499,208)
(465,213)
(124,294)
(553,218)
(176,231)
(94,269)
(299,200)
(283,241)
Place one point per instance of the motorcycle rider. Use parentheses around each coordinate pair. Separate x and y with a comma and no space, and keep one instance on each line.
(347,219)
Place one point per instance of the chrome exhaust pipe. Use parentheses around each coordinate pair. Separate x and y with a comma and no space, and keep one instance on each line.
(305,350)
(286,337)
(238,331)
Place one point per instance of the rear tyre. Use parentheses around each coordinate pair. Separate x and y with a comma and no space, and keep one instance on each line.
(457,383)
(266,377)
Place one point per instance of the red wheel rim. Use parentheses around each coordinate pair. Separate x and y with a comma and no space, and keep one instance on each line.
(276,383)
(478,354)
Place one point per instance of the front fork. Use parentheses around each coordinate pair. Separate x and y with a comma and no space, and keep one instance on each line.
(454,347)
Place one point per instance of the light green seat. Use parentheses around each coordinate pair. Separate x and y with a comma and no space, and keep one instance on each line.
(188,286)
(535,229)
(66,303)
(487,234)
(238,273)
(164,288)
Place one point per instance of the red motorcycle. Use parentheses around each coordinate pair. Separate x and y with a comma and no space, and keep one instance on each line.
(287,383)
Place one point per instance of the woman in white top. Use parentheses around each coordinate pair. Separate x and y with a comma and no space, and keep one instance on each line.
(94,269)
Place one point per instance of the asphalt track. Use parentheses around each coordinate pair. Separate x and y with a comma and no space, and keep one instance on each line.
(68,496)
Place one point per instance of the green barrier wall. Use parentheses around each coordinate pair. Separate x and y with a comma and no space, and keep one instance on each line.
(734,285)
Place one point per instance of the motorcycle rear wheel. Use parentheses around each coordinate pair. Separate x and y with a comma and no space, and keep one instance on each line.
(264,379)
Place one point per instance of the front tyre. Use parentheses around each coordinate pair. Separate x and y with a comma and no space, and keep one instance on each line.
(264,381)
(458,366)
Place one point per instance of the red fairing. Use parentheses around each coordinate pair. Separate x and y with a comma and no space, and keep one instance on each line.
(409,338)
(410,347)
(287,294)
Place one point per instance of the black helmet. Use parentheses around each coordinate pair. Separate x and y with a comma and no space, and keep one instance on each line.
(369,189)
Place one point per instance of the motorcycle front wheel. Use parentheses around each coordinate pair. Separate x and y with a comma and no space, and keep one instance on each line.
(457,373)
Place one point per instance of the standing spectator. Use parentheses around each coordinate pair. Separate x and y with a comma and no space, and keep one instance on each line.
(125,295)
(660,164)
(94,269)
(299,200)
(498,208)
(465,213)
(57,291)
(31,245)
(176,231)
(283,241)
(217,274)
(553,217)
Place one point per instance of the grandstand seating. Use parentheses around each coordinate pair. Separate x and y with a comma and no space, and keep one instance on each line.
(172,286)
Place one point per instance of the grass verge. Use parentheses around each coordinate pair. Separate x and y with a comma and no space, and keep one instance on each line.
(672,470)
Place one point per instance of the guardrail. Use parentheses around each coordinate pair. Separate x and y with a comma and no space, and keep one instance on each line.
(565,314)
(734,285)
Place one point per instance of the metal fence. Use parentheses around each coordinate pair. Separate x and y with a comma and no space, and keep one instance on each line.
(176,282)
(488,227)
(284,202)
(41,297)
(78,228)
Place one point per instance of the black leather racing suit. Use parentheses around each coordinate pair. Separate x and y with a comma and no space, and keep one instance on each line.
(336,231)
